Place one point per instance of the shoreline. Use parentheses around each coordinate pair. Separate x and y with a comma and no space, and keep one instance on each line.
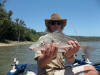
(15,43)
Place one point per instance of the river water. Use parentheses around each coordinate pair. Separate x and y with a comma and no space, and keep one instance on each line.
(24,55)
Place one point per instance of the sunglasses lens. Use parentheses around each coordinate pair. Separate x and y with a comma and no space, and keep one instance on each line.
(55,22)
(59,23)
(52,23)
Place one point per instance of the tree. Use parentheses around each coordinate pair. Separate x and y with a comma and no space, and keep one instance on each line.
(10,14)
(14,30)
(3,3)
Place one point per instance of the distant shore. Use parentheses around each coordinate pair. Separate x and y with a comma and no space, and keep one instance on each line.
(14,43)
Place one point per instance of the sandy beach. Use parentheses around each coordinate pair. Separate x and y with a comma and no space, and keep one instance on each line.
(14,43)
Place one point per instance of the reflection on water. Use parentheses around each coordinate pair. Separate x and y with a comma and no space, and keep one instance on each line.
(94,53)
(24,55)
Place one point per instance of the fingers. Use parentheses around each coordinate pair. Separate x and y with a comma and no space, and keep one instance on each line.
(66,49)
(54,49)
(73,49)
(43,51)
(74,45)
(46,50)
(50,50)
(77,44)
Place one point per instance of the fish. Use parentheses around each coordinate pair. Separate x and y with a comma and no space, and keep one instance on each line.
(55,37)
(61,40)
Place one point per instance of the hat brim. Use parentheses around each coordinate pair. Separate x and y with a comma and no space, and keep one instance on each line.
(48,20)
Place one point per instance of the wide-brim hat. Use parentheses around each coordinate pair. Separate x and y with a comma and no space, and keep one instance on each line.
(55,17)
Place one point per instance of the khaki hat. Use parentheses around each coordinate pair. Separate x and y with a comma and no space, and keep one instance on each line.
(55,17)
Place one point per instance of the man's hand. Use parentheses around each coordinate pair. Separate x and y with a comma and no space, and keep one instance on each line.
(50,50)
(47,54)
(73,49)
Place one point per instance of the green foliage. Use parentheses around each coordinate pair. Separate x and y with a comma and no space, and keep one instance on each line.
(14,30)
(6,41)
(86,38)
(17,30)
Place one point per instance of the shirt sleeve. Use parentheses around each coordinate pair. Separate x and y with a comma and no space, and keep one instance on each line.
(37,54)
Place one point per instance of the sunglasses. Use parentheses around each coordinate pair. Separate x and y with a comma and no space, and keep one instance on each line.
(55,23)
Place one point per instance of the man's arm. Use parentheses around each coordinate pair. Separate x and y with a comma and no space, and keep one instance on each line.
(47,54)
(44,60)
(70,53)
(71,59)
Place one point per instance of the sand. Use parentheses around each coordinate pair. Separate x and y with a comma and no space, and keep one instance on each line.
(14,43)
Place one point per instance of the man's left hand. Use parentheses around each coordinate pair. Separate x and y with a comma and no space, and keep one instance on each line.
(73,49)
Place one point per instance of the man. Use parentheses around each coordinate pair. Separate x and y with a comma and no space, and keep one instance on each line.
(51,62)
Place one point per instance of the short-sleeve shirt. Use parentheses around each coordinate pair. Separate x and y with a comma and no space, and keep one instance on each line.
(56,63)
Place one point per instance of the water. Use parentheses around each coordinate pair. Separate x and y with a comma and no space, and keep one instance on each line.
(24,55)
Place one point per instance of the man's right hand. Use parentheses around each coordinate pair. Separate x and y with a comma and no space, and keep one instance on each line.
(48,53)
(50,50)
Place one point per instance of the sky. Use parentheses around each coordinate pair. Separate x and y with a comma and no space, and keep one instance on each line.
(83,16)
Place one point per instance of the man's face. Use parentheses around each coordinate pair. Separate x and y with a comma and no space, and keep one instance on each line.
(55,25)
